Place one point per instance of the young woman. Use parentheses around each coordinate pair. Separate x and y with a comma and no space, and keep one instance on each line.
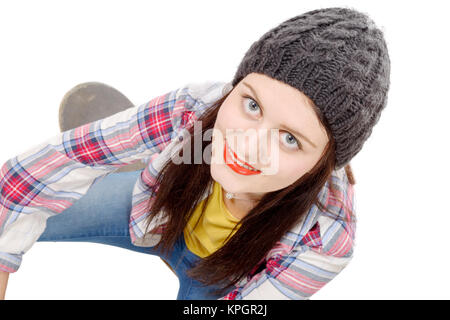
(236,211)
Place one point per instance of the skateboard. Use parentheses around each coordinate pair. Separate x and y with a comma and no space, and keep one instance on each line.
(91,101)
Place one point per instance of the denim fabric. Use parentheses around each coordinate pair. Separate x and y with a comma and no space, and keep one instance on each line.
(102,215)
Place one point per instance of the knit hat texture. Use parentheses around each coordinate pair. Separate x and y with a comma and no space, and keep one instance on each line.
(339,59)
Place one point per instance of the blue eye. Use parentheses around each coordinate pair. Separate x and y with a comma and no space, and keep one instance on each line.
(253,109)
(295,142)
(253,106)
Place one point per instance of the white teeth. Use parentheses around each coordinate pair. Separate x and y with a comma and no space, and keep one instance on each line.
(241,164)
(250,169)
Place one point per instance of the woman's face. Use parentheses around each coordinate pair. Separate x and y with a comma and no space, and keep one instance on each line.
(250,120)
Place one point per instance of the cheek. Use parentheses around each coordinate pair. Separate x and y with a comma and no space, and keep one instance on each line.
(291,169)
(225,116)
(220,126)
(231,116)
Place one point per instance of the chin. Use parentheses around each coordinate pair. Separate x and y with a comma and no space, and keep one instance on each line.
(220,174)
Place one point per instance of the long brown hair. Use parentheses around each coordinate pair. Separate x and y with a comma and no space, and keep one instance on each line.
(181,186)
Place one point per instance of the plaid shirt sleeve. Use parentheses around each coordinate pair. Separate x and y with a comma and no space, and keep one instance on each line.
(48,178)
(296,273)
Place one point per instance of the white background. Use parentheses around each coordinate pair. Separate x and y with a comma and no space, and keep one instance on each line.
(147,48)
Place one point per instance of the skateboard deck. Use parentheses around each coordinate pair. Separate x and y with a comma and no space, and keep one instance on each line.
(91,101)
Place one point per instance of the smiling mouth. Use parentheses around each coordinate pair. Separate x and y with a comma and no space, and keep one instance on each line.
(236,164)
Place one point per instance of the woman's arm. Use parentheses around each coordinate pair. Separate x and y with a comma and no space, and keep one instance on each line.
(297,276)
(321,254)
(3,283)
(51,176)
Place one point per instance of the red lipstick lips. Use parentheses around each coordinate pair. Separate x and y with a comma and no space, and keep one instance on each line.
(236,164)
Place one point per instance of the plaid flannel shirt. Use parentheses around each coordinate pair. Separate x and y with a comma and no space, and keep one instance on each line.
(51,176)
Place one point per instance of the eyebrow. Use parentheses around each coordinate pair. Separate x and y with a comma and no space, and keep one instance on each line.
(282,125)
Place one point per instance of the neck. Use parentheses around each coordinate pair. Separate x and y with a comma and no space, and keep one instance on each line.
(232,196)
(239,208)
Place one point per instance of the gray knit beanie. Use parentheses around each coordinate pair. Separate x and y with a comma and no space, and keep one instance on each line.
(339,59)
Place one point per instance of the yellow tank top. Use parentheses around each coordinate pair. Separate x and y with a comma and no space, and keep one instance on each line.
(213,228)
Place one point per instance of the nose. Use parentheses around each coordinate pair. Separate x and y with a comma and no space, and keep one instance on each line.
(251,146)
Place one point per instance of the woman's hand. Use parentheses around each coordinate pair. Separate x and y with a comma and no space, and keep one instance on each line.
(3,283)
